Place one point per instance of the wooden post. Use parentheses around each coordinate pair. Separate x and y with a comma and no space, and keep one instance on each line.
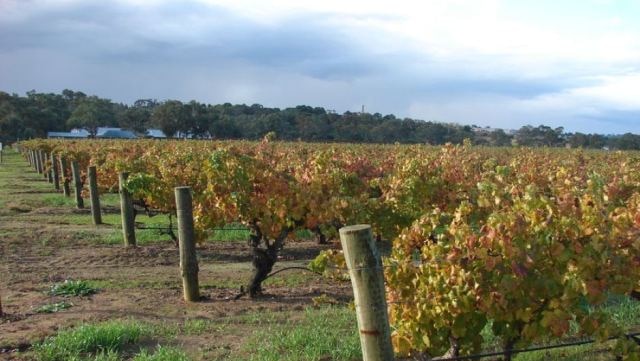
(39,161)
(66,190)
(187,242)
(77,184)
(95,198)
(48,172)
(43,164)
(126,211)
(56,172)
(367,279)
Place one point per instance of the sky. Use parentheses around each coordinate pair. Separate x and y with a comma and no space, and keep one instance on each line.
(496,63)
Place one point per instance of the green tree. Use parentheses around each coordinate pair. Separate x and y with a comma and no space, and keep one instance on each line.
(170,117)
(92,112)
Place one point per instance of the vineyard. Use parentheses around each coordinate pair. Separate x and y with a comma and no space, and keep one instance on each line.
(530,243)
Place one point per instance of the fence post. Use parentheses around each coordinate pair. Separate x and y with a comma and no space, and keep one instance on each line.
(56,172)
(77,183)
(94,196)
(126,212)
(43,164)
(47,167)
(187,242)
(365,269)
(39,161)
(65,177)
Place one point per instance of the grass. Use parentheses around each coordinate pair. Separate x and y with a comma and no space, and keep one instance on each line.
(108,341)
(104,339)
(162,354)
(322,334)
(73,288)
(57,200)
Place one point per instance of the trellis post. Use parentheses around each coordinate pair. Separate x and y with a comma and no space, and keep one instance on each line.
(365,270)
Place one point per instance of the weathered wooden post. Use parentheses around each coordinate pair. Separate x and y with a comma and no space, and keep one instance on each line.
(94,196)
(39,161)
(47,167)
(126,211)
(66,190)
(77,184)
(187,241)
(43,163)
(56,172)
(365,269)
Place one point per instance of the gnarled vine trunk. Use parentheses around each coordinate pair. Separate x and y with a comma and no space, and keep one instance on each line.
(263,258)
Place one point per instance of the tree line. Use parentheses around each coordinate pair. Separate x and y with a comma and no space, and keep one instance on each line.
(33,115)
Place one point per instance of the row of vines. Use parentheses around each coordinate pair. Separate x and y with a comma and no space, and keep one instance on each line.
(532,241)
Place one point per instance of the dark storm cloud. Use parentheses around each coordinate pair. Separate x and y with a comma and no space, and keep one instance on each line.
(195,34)
(204,35)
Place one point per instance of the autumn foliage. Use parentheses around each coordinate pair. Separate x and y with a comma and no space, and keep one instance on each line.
(531,240)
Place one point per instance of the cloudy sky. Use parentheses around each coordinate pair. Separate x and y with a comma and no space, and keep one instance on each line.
(570,63)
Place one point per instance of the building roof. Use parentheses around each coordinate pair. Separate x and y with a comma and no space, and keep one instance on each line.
(66,135)
(116,133)
(155,133)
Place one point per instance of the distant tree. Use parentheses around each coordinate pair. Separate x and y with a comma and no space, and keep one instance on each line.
(499,138)
(626,141)
(170,117)
(222,127)
(540,136)
(92,112)
(198,119)
(134,118)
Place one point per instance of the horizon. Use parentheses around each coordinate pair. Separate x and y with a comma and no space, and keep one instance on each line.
(488,63)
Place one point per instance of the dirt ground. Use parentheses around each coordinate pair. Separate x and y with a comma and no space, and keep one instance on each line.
(40,246)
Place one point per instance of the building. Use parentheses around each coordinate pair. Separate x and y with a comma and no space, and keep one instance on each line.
(102,132)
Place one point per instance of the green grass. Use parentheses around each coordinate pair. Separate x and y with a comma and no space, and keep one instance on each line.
(202,326)
(322,334)
(162,354)
(58,200)
(79,344)
(107,341)
(72,288)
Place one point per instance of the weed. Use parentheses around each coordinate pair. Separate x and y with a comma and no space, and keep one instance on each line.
(73,288)
(53,307)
